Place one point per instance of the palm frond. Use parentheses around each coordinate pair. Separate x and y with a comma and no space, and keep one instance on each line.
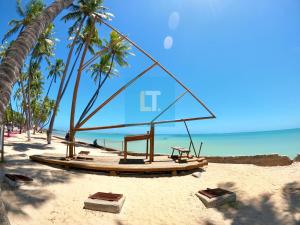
(71,16)
(11,32)
(20,10)
(14,22)
(74,27)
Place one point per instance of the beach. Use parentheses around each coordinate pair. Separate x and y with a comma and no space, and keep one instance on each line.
(265,195)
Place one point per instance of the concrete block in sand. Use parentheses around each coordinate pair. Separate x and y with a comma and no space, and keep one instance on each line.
(104,205)
(196,174)
(216,201)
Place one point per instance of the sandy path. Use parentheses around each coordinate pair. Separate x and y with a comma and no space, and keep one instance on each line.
(266,195)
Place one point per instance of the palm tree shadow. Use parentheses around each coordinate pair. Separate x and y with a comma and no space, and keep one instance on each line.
(19,198)
(262,210)
(34,195)
(23,147)
(291,194)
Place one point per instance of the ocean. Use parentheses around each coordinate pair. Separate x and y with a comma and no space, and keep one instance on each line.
(283,142)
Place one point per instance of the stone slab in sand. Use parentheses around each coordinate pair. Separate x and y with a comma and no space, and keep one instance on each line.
(217,201)
(103,205)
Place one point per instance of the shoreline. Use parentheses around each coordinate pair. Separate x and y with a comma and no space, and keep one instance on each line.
(258,160)
(283,143)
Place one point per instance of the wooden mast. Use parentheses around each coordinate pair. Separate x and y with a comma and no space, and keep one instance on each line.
(75,92)
(151,143)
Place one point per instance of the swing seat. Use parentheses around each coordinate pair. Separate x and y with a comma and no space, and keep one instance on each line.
(180,151)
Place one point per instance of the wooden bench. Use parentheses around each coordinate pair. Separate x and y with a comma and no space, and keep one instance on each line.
(180,150)
(137,137)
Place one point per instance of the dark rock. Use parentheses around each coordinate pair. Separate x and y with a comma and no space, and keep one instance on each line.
(259,160)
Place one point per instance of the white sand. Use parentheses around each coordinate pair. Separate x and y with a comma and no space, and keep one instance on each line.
(266,195)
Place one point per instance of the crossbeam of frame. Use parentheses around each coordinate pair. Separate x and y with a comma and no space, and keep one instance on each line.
(142,124)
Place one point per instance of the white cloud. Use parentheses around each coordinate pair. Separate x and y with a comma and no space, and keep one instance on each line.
(174,19)
(168,42)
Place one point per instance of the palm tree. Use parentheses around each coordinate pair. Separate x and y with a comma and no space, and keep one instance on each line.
(44,46)
(17,52)
(32,9)
(12,63)
(83,13)
(42,50)
(55,71)
(21,107)
(3,50)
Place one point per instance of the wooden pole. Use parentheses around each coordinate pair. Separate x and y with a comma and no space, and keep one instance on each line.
(169,106)
(125,149)
(152,143)
(141,124)
(75,92)
(191,140)
(115,94)
(147,146)
(2,142)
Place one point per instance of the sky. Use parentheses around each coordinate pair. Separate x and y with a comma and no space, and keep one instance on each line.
(241,58)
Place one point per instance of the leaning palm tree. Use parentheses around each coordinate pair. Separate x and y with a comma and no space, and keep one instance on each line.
(55,71)
(83,12)
(42,50)
(12,63)
(44,45)
(17,52)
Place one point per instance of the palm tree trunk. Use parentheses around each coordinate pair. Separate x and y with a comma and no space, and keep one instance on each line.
(28,96)
(12,115)
(72,117)
(61,86)
(49,88)
(95,95)
(26,109)
(13,62)
(43,104)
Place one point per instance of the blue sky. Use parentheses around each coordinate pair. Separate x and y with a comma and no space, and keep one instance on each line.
(240,57)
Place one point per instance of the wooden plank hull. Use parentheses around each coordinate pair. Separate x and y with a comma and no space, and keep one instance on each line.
(112,163)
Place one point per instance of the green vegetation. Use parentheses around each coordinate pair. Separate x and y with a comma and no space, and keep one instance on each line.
(34,109)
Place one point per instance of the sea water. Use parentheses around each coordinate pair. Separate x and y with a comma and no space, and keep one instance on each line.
(283,142)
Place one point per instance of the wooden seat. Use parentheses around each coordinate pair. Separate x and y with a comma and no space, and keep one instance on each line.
(180,150)
(137,137)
